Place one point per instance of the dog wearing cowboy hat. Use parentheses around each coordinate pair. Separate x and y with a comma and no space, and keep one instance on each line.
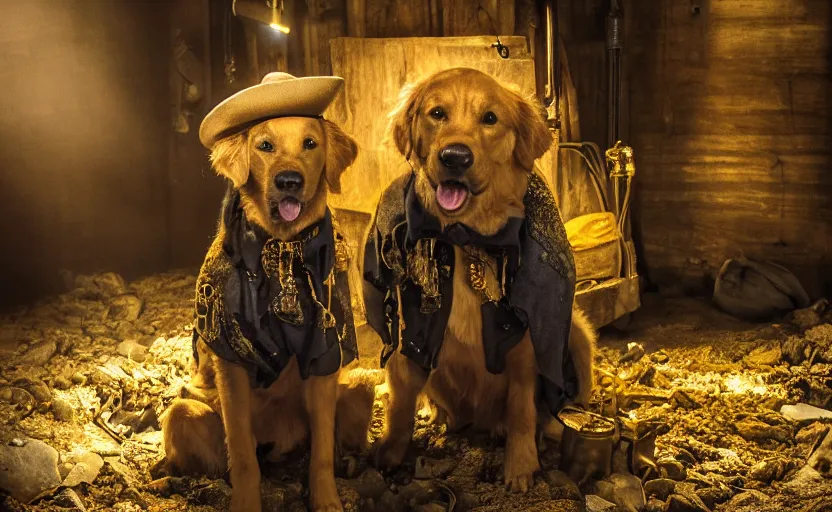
(273,325)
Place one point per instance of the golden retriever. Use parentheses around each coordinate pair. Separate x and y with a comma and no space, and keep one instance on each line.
(472,143)
(283,169)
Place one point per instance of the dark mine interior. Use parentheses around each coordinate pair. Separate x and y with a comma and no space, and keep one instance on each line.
(590,272)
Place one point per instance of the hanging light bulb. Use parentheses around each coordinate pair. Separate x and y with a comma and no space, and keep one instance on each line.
(277,15)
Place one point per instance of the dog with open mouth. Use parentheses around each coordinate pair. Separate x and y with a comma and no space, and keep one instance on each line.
(469,277)
(273,321)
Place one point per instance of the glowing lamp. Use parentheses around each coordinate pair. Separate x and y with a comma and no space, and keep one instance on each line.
(276,18)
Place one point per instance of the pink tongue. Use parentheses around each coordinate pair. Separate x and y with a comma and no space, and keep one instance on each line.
(450,196)
(289,209)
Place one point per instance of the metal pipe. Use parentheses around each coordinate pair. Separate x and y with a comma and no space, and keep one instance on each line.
(550,92)
(615,44)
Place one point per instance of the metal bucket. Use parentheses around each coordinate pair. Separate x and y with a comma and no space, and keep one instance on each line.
(588,441)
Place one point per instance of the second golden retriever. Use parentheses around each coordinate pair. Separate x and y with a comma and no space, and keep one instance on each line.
(470,279)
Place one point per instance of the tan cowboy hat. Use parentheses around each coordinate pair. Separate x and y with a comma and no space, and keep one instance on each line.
(278,95)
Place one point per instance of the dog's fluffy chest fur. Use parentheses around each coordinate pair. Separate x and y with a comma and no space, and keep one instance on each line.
(460,385)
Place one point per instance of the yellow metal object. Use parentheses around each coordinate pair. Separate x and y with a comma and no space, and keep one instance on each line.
(278,258)
(423,269)
(621,160)
(478,266)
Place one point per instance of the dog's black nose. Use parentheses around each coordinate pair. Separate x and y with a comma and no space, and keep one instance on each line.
(456,156)
(289,180)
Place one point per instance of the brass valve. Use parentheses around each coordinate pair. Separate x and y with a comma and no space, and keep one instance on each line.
(621,160)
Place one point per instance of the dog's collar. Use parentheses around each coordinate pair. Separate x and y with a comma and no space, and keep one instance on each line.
(247,245)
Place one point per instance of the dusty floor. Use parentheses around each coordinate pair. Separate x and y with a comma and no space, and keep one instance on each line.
(84,377)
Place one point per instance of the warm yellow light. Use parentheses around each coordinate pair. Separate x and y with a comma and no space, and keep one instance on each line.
(740,384)
(275,24)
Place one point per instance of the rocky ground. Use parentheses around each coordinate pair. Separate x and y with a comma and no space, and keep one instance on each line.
(85,376)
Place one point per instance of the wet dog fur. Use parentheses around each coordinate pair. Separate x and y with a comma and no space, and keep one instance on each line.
(460,106)
(219,420)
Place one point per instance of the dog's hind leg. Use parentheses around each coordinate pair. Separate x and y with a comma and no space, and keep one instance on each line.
(521,461)
(236,398)
(405,380)
(321,398)
(582,339)
(193,439)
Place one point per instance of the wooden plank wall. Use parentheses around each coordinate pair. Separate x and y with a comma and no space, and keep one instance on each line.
(730,119)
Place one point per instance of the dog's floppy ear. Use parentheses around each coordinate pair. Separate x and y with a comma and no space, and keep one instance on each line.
(341,151)
(229,157)
(402,118)
(533,136)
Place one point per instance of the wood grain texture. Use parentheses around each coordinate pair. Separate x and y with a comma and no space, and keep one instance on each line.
(730,123)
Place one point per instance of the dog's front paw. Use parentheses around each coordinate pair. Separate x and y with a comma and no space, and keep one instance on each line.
(326,499)
(520,483)
(520,467)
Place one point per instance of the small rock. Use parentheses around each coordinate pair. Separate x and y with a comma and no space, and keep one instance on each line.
(755,430)
(770,469)
(137,422)
(807,318)
(62,382)
(126,472)
(795,349)
(598,504)
(712,496)
(635,351)
(562,487)
(69,499)
(216,493)
(659,357)
(37,388)
(62,410)
(28,471)
(821,338)
(87,467)
(750,499)
(125,307)
(427,469)
(672,469)
(628,493)
(132,350)
(654,505)
(369,485)
(767,355)
(804,412)
(108,284)
(64,468)
(679,503)
(821,459)
(684,399)
(38,353)
(811,434)
(660,488)
(79,378)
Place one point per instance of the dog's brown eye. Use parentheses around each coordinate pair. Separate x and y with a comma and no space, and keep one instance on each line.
(437,113)
(309,143)
(265,146)
(489,118)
